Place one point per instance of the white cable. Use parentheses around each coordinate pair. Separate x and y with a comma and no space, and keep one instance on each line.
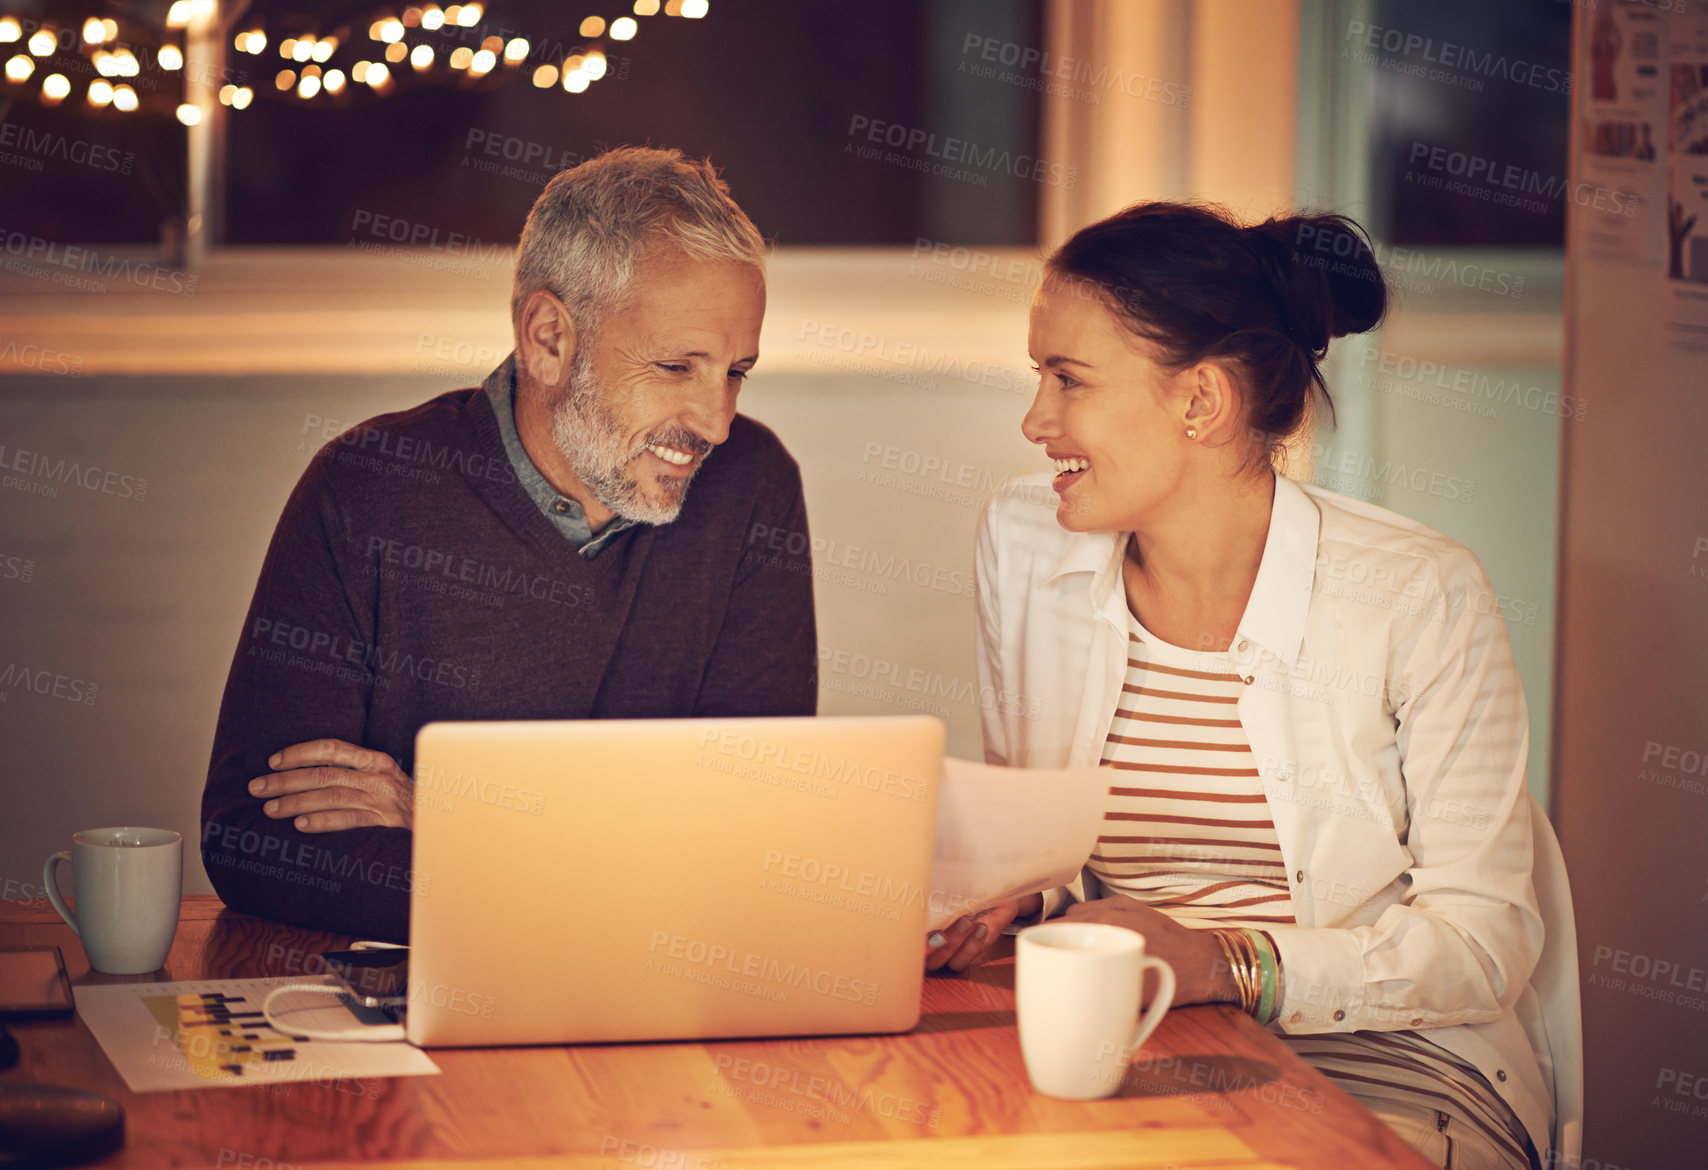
(365,1034)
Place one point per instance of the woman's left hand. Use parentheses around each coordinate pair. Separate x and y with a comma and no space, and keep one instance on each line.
(1201,970)
(969,939)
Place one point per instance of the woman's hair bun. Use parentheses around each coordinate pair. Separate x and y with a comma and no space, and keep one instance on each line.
(1266,300)
(1325,272)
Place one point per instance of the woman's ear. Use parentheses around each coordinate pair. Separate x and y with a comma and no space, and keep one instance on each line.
(1213,404)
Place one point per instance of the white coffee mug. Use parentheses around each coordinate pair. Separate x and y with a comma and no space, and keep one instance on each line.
(1076,991)
(129,883)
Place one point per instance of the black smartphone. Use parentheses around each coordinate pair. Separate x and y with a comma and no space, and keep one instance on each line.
(33,984)
(379,978)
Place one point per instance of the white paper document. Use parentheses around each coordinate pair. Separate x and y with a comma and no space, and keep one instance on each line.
(1006,832)
(209,1034)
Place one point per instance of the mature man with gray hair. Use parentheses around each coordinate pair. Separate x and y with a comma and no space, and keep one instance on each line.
(526,550)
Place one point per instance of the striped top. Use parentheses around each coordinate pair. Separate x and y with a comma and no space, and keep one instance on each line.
(1187,829)
(1187,824)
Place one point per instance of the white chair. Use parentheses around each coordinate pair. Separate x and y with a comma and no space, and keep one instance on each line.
(1555,981)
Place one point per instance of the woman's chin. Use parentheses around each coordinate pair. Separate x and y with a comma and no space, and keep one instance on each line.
(1074,516)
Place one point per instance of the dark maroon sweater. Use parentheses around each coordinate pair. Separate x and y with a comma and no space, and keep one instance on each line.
(411,578)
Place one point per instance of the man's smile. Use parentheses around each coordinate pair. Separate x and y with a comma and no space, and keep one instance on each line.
(671,455)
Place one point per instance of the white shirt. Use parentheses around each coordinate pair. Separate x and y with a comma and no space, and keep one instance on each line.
(1390,733)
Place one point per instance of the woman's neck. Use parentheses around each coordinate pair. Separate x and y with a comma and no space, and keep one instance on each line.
(1192,569)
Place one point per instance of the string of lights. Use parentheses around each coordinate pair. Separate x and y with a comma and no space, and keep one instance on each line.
(46,63)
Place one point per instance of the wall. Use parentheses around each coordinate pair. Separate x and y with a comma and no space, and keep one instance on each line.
(1632,652)
(1197,101)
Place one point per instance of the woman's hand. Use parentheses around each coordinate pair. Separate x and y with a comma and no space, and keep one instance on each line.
(1201,971)
(967,940)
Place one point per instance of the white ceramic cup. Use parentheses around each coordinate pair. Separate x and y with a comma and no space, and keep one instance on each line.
(129,883)
(1076,992)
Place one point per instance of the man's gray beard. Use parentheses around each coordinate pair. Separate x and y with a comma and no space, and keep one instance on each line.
(590,437)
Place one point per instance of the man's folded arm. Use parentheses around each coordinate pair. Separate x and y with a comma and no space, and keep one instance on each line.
(765,661)
(303,671)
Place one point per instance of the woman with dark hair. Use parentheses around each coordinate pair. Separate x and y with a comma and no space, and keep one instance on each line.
(1316,734)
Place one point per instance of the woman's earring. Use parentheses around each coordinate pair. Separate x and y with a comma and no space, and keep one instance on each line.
(1191,432)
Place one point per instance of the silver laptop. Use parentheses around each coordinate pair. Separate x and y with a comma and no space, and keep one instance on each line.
(670,879)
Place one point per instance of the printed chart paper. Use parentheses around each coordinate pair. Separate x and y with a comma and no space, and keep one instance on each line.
(1006,832)
(209,1034)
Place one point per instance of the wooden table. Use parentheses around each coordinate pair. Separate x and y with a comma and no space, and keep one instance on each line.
(1211,1089)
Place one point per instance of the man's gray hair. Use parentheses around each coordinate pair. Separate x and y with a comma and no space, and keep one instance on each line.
(594,221)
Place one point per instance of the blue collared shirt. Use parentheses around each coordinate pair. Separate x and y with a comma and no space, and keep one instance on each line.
(567,516)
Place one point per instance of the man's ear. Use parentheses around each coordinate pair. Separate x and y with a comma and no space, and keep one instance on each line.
(545,339)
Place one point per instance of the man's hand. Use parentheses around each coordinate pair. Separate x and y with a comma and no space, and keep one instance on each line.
(1201,971)
(328,785)
(966,940)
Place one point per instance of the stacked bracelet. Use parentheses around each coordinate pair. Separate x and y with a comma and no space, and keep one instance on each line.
(1266,961)
(1256,967)
(1233,965)
(1242,962)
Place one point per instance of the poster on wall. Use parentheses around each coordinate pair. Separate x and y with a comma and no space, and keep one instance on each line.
(1687,177)
(1621,80)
